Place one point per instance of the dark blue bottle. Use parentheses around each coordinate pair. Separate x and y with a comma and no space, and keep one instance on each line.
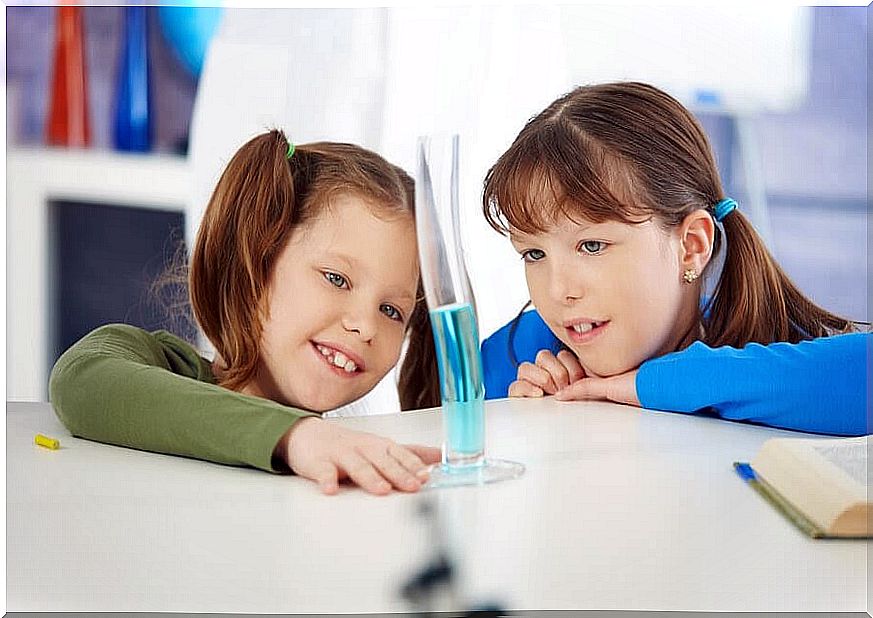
(133,110)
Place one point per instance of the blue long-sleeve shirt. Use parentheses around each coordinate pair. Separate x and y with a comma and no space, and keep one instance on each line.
(817,386)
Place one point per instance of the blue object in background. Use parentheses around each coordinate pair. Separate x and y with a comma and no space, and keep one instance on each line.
(133,117)
(189,29)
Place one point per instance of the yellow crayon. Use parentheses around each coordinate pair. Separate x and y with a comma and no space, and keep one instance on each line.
(46,442)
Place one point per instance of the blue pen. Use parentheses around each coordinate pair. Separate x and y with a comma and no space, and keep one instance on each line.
(793,515)
(745,471)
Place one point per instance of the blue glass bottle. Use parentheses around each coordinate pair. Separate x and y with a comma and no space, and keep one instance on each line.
(133,109)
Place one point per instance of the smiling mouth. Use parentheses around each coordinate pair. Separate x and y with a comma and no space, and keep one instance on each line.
(586,327)
(585,331)
(338,361)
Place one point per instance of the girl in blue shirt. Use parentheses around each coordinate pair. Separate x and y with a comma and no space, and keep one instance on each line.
(613,200)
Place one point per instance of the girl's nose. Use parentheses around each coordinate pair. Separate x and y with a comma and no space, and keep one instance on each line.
(361,324)
(566,285)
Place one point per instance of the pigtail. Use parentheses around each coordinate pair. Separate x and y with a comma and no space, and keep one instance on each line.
(243,228)
(755,301)
(419,382)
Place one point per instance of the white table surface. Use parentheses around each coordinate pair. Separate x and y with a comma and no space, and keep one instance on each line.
(619,508)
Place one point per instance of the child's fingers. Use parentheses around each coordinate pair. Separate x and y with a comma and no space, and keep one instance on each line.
(408,456)
(390,467)
(521,388)
(589,388)
(572,365)
(557,371)
(326,475)
(536,376)
(620,389)
(426,454)
(362,473)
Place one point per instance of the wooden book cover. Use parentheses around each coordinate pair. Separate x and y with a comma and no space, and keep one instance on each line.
(821,485)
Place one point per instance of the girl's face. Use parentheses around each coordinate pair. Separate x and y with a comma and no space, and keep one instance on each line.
(612,292)
(340,296)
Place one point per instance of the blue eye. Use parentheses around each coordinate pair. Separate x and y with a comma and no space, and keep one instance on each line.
(336,279)
(592,247)
(391,311)
(533,255)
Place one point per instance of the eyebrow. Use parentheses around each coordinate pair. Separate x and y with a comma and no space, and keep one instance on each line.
(404,297)
(348,259)
(517,235)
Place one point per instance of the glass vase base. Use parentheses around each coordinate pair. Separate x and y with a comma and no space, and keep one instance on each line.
(488,471)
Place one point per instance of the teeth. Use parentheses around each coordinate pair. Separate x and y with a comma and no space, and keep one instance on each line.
(585,327)
(338,359)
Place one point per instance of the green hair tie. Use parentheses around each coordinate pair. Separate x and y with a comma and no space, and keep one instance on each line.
(290,152)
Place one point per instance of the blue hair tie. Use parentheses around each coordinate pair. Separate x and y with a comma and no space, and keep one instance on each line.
(724,208)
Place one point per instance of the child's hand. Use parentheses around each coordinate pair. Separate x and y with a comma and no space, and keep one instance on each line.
(327,452)
(620,389)
(547,375)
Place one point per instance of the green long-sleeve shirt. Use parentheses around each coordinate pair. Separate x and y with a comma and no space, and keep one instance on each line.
(153,391)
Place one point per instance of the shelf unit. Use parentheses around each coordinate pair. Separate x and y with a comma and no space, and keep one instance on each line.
(35,177)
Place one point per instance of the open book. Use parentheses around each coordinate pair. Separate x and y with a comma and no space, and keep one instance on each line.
(822,485)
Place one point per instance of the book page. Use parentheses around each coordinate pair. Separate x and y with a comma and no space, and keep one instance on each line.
(850,455)
(819,477)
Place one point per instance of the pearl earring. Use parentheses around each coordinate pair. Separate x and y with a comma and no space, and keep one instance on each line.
(690,275)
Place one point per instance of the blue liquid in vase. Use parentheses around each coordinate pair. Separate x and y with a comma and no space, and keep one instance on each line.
(463,391)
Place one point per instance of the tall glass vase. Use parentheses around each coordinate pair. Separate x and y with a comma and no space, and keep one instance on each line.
(67,123)
(453,318)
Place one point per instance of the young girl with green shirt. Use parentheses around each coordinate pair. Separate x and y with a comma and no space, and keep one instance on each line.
(304,277)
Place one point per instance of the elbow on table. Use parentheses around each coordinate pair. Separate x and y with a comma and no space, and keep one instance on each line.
(69,392)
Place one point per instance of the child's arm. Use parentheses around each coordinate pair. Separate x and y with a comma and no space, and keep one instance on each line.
(122,385)
(152,391)
(818,386)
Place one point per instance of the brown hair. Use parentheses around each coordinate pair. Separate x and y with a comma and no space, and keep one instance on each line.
(261,198)
(629,152)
